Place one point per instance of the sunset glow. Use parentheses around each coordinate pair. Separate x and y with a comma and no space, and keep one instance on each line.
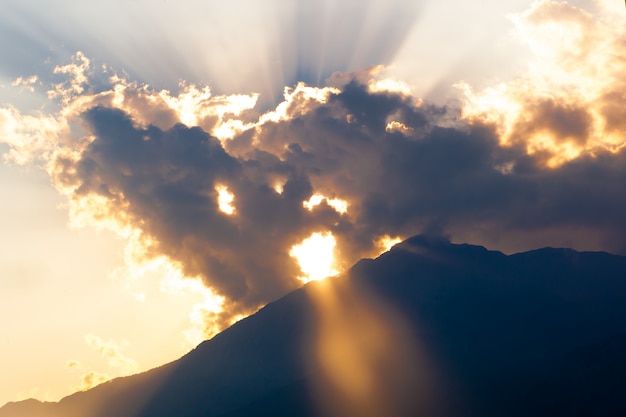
(171,174)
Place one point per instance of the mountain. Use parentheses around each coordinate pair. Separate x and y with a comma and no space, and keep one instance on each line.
(428,328)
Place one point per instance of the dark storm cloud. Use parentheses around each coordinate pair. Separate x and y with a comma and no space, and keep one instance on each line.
(165,181)
(458,176)
(453,180)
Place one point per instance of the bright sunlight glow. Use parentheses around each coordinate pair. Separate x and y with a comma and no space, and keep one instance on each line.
(386,242)
(341,206)
(315,255)
(225,200)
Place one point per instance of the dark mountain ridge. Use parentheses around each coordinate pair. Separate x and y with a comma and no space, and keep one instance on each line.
(429,328)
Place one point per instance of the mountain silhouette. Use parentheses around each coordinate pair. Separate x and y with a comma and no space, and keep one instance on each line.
(429,328)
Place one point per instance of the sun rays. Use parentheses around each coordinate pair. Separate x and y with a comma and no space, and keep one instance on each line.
(234,152)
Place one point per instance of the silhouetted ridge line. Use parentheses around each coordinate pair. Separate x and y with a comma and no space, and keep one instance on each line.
(537,333)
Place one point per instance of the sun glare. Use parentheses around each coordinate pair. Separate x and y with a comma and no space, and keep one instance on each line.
(341,206)
(386,242)
(225,200)
(315,255)
(279,188)
(395,126)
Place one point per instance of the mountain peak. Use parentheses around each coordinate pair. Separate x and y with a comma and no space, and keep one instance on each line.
(488,329)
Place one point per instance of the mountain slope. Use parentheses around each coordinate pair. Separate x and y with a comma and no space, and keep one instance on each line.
(428,328)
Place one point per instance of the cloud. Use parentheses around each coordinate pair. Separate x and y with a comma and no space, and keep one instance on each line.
(112,353)
(92,379)
(452,178)
(73,364)
(567,103)
(118,364)
(225,193)
(31,138)
(25,83)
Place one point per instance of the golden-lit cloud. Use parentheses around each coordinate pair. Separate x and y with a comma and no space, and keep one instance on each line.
(386,242)
(92,379)
(77,79)
(395,126)
(338,204)
(26,83)
(298,100)
(279,187)
(47,139)
(89,379)
(118,364)
(112,352)
(30,137)
(566,104)
(215,114)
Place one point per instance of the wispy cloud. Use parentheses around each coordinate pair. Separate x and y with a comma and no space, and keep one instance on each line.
(117,363)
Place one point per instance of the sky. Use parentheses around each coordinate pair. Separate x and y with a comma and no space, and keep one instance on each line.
(170,167)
